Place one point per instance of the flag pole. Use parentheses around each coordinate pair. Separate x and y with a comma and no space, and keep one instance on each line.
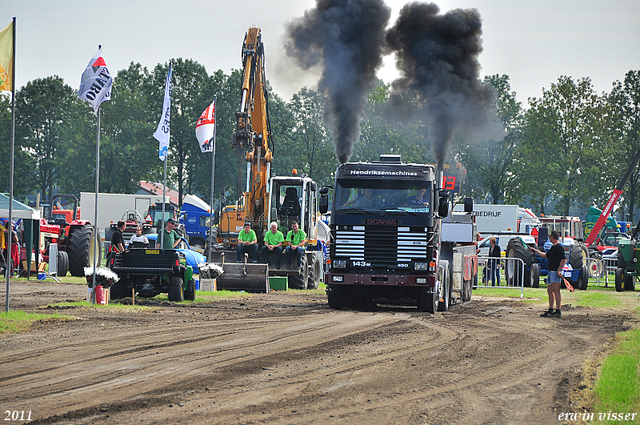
(213,172)
(11,161)
(96,232)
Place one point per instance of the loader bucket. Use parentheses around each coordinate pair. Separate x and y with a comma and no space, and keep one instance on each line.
(245,276)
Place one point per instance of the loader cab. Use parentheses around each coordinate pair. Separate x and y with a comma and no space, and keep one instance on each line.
(294,199)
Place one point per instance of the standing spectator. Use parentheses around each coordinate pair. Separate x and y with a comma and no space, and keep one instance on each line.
(117,240)
(247,243)
(273,244)
(171,237)
(138,240)
(494,265)
(557,261)
(297,239)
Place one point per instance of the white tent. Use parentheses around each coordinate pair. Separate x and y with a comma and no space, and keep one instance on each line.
(19,210)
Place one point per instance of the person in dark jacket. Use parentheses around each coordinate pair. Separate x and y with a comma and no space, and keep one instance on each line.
(494,265)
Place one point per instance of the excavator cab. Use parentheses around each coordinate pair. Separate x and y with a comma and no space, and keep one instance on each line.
(294,199)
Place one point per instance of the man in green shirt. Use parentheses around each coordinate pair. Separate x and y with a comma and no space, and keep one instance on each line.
(247,243)
(272,244)
(171,237)
(297,239)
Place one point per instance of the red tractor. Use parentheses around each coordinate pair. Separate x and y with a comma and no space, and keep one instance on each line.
(75,238)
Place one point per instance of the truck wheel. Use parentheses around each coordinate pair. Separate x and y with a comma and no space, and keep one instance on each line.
(535,275)
(63,264)
(630,283)
(190,293)
(335,297)
(466,290)
(315,273)
(81,250)
(427,300)
(619,279)
(444,292)
(176,290)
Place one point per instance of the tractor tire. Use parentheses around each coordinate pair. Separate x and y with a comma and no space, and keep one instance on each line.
(535,275)
(575,256)
(427,301)
(315,273)
(190,293)
(630,283)
(176,289)
(63,264)
(619,279)
(517,249)
(117,290)
(299,280)
(584,278)
(81,250)
(336,297)
(444,293)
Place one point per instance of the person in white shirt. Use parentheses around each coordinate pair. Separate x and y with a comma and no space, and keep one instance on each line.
(138,240)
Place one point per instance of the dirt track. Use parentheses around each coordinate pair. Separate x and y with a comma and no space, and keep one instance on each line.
(287,358)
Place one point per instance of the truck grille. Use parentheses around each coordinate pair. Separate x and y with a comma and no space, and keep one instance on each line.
(382,246)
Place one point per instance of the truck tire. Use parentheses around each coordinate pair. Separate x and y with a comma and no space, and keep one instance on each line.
(535,275)
(80,250)
(63,264)
(466,290)
(584,278)
(176,290)
(427,300)
(619,279)
(315,273)
(517,249)
(190,293)
(335,297)
(630,283)
(575,256)
(444,292)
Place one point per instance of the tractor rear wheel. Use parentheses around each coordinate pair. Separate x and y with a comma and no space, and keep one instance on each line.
(81,250)
(315,273)
(575,256)
(535,275)
(513,270)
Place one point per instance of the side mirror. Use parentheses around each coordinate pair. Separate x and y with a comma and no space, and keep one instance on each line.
(323,203)
(468,205)
(314,186)
(443,203)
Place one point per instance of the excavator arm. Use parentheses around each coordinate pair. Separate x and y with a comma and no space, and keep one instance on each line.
(252,131)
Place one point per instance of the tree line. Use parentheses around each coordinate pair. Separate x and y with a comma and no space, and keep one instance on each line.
(561,154)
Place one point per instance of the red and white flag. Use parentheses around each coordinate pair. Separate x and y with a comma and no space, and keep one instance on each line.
(206,128)
(96,82)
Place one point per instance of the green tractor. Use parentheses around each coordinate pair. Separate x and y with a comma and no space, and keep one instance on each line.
(628,262)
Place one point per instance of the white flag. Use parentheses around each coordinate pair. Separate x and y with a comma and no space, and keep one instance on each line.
(206,128)
(164,126)
(95,83)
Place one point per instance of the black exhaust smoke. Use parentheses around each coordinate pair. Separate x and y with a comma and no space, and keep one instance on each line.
(437,57)
(345,38)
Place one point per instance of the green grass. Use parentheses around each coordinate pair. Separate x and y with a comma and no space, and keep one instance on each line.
(19,321)
(618,386)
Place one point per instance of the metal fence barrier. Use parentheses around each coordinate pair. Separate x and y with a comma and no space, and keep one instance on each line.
(516,279)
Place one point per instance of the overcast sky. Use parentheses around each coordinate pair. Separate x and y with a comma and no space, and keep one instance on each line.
(534,42)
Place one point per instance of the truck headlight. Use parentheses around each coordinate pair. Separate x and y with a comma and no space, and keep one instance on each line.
(339,264)
(420,266)
(335,278)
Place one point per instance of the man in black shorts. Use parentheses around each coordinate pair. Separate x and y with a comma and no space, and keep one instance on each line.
(557,261)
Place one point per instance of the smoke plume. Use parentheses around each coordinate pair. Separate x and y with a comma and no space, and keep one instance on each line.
(437,57)
(345,38)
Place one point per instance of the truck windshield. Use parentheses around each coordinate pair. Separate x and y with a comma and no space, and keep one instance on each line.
(373,196)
